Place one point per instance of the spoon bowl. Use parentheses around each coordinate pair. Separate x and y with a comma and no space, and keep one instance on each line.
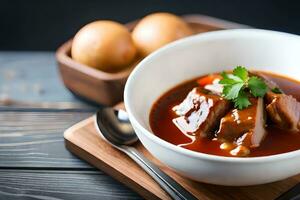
(115,128)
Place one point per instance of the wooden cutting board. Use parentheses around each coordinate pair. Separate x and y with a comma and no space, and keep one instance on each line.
(83,140)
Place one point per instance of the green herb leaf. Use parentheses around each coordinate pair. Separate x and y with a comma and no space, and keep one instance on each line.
(241,72)
(242,101)
(232,91)
(229,79)
(257,86)
(277,90)
(238,86)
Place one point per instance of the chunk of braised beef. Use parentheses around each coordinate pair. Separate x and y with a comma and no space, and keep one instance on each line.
(199,113)
(244,127)
(282,109)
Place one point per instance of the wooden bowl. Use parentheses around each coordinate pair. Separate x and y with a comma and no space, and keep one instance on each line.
(107,88)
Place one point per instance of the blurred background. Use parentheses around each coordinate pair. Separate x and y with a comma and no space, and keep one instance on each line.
(44,25)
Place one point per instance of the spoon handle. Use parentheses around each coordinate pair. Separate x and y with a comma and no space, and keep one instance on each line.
(175,190)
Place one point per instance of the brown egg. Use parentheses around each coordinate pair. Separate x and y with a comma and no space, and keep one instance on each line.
(105,45)
(157,30)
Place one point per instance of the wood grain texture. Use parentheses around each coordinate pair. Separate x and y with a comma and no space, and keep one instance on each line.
(84,141)
(35,139)
(59,185)
(31,76)
(34,163)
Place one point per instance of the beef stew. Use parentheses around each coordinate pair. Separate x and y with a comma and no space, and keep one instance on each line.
(196,115)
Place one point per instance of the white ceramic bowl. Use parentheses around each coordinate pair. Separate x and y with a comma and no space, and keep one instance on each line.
(202,54)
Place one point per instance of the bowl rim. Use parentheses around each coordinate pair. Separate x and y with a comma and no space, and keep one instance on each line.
(198,155)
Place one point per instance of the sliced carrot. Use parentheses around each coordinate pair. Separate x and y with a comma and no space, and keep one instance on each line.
(208,79)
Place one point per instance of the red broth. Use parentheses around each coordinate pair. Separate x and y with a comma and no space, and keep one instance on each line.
(277,141)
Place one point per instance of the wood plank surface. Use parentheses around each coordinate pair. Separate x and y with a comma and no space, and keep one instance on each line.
(35,139)
(31,76)
(59,185)
(83,139)
(34,163)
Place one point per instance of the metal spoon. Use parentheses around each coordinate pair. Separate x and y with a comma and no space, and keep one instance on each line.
(115,128)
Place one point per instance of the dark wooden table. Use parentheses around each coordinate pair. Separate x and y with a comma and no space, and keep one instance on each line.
(34,163)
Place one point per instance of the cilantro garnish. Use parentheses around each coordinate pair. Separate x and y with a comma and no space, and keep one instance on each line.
(238,86)
(277,90)
(242,101)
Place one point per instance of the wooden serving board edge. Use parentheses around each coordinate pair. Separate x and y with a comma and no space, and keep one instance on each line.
(82,139)
(91,159)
